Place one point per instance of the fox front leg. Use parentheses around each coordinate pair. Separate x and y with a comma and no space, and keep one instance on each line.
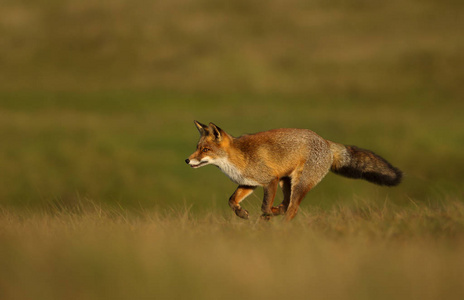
(234,201)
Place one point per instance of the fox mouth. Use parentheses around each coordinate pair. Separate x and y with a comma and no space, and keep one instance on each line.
(200,164)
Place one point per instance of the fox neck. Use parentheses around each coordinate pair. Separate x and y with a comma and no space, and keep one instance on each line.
(233,172)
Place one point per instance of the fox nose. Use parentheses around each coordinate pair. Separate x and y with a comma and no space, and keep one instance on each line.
(187,160)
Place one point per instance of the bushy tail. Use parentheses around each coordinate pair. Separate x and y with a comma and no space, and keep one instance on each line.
(354,162)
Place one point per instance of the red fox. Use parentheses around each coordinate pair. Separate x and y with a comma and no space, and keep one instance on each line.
(297,159)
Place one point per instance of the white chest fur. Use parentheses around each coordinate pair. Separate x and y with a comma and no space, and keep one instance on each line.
(233,172)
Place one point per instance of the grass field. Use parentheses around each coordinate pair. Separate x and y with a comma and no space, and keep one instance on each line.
(357,251)
(97,101)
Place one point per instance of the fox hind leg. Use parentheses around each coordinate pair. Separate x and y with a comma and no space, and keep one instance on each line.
(298,193)
(234,201)
(302,183)
(286,186)
(304,179)
(269,195)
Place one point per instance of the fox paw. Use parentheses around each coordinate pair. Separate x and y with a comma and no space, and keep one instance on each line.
(242,213)
(279,210)
(266,217)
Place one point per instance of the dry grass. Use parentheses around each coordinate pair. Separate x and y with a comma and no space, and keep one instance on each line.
(360,251)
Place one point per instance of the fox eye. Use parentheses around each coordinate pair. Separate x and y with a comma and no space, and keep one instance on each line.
(205,150)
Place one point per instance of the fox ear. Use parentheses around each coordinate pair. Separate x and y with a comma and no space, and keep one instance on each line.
(216,132)
(202,128)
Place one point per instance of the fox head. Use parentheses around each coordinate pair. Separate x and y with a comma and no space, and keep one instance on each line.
(211,147)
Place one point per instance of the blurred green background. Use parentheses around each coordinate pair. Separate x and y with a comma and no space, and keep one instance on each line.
(97,98)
